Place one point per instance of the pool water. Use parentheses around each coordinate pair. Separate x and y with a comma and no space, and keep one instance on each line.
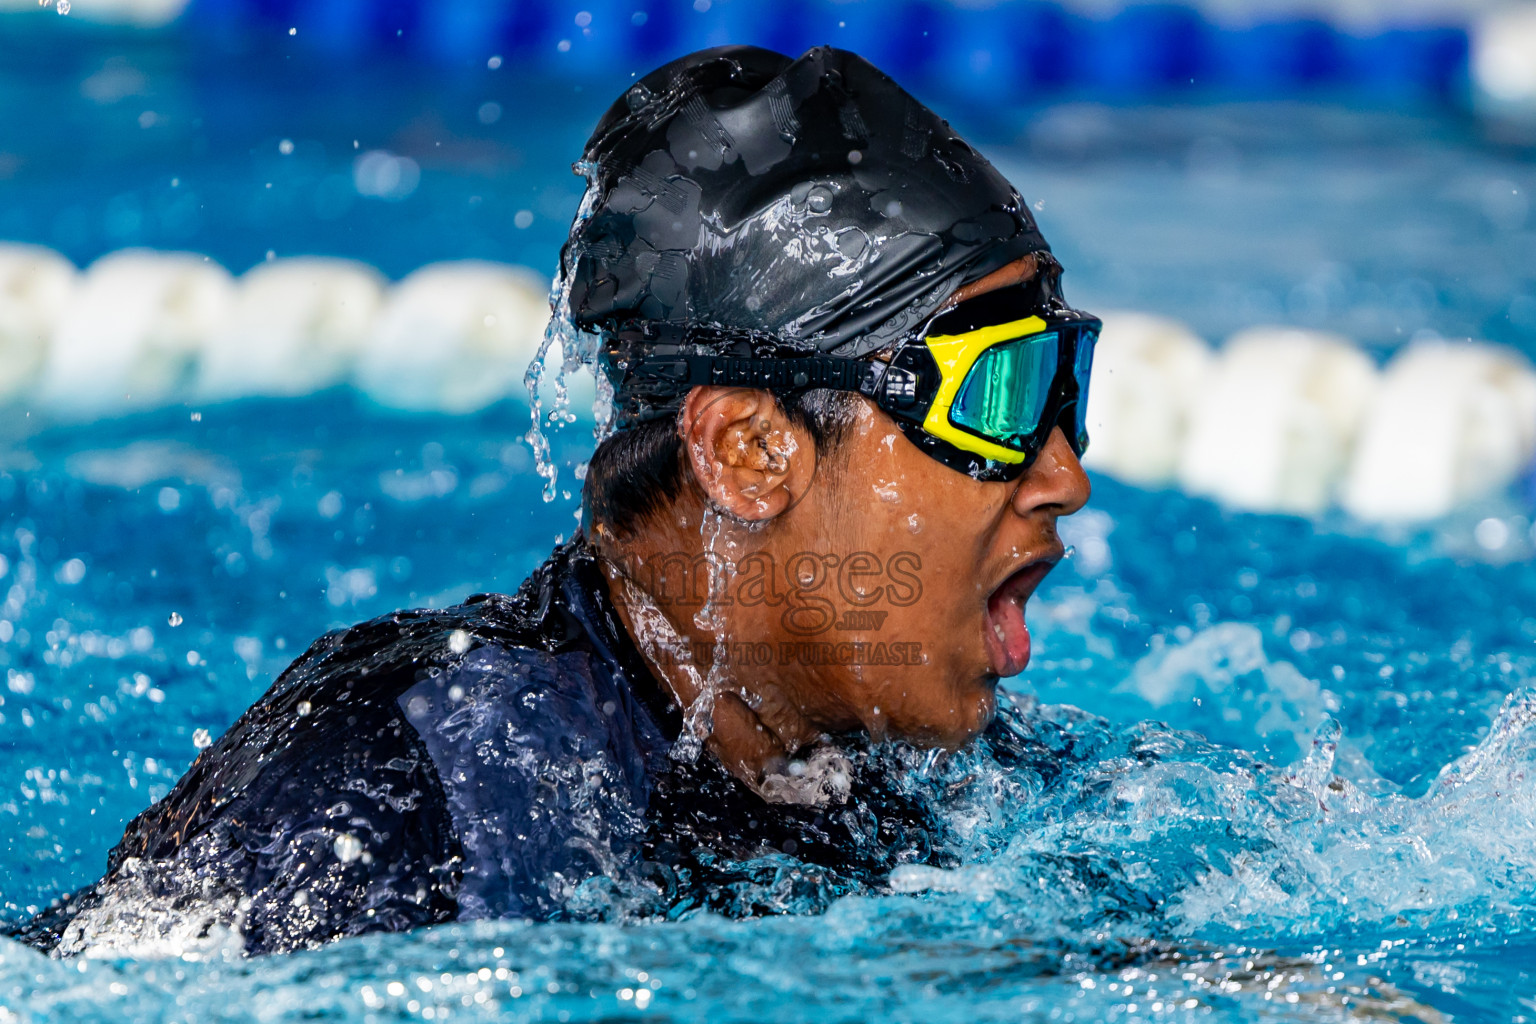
(1277,768)
(1356,836)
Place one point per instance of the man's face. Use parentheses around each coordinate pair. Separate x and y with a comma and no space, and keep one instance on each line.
(878,587)
(929,570)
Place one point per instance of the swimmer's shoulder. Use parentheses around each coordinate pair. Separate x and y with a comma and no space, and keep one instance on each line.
(381,658)
(339,711)
(332,754)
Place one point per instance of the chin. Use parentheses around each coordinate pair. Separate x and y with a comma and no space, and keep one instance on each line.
(982,703)
(971,710)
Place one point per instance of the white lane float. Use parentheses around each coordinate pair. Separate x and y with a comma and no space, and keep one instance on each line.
(1452,423)
(455,337)
(1503,61)
(1274,428)
(298,326)
(1278,420)
(35,286)
(132,332)
(1147,373)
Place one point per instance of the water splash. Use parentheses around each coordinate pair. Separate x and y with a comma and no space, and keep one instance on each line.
(603,412)
(577,349)
(719,544)
(143,913)
(533,380)
(659,641)
(825,778)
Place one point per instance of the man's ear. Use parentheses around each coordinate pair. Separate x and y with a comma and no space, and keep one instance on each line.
(746,455)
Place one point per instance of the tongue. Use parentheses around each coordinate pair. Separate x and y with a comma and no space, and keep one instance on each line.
(1007,635)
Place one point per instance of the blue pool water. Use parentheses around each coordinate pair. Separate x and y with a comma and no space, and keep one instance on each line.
(1282,769)
(1137,870)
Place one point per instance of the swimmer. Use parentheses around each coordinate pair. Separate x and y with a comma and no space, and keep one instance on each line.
(849,408)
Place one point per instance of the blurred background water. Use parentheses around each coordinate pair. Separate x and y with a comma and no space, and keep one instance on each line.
(1337,188)
(1352,839)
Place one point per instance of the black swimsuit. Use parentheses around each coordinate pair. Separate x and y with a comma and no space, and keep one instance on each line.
(509,757)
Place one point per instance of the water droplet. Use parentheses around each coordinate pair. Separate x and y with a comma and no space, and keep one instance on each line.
(174,619)
(201,740)
(348,847)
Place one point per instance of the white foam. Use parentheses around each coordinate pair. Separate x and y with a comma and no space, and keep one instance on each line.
(1275,425)
(1452,423)
(35,286)
(130,915)
(1225,666)
(1147,373)
(298,326)
(132,331)
(454,337)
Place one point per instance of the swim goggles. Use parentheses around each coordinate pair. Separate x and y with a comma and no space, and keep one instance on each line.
(980,387)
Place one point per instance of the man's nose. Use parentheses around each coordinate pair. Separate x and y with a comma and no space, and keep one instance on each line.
(1055,484)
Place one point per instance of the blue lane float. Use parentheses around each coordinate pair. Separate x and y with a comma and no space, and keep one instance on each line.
(1133,49)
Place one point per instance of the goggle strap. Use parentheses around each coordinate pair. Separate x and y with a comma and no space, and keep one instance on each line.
(655,376)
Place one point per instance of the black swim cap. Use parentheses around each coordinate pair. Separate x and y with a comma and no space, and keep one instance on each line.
(812,201)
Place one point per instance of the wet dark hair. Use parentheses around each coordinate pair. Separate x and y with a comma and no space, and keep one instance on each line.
(638,474)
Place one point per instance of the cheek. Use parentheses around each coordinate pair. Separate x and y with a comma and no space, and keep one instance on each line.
(937,531)
(942,619)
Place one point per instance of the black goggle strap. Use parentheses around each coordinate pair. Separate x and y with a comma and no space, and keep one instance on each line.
(669,375)
(661,376)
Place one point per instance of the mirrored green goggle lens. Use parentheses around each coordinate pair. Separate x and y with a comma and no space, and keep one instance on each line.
(1005,395)
(1082,369)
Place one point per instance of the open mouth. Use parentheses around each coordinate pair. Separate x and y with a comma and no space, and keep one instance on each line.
(1007,634)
